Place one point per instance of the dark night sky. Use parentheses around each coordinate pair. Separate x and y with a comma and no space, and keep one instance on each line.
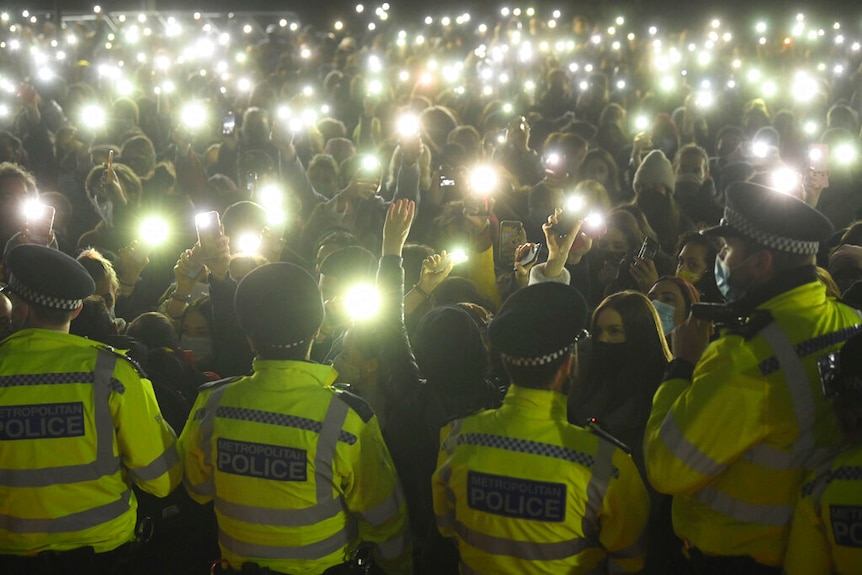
(665,10)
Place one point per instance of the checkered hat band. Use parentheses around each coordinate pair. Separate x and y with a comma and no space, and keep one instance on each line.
(40,299)
(537,361)
(286,345)
(780,243)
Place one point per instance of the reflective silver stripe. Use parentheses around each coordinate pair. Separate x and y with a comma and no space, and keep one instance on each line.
(280,517)
(602,470)
(334,419)
(159,466)
(207,427)
(446,521)
(386,510)
(396,546)
(803,405)
(773,515)
(73,522)
(687,452)
(451,441)
(308,551)
(632,552)
(106,463)
(103,382)
(527,550)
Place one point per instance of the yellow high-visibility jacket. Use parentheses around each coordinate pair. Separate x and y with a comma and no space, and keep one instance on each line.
(826,535)
(734,440)
(524,491)
(78,424)
(298,471)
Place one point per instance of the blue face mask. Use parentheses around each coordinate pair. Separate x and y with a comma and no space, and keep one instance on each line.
(665,315)
(722,280)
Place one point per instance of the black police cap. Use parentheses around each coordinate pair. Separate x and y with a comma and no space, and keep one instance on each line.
(48,277)
(279,305)
(538,324)
(772,219)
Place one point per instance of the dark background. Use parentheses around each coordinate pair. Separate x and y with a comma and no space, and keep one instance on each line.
(669,12)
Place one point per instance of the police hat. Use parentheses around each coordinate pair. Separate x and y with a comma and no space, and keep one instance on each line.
(538,324)
(771,219)
(48,277)
(279,305)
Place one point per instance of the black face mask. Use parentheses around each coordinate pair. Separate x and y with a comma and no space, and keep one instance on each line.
(608,360)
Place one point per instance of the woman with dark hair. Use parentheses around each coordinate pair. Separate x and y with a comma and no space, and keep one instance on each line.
(629,356)
(599,165)
(695,263)
(623,371)
(672,298)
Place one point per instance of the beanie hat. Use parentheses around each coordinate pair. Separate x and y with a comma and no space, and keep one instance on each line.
(655,169)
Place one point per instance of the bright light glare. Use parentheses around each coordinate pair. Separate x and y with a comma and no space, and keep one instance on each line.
(458,256)
(93,116)
(248,243)
(153,231)
(270,196)
(785,180)
(483,180)
(845,154)
(194,115)
(408,126)
(362,302)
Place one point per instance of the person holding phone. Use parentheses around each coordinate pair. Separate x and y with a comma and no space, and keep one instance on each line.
(737,423)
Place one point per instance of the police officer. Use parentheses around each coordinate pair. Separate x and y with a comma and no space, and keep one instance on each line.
(519,488)
(78,425)
(826,534)
(298,471)
(738,422)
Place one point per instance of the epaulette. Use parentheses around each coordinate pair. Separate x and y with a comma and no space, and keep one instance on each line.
(596,429)
(218,383)
(756,323)
(124,357)
(356,403)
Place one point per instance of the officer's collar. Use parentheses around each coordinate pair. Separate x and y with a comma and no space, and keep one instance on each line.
(782,282)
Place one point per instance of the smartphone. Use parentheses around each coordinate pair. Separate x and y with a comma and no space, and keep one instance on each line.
(208,226)
(531,255)
(251,183)
(228,125)
(818,165)
(512,235)
(554,163)
(39,223)
(648,249)
(574,210)
(446,181)
(717,313)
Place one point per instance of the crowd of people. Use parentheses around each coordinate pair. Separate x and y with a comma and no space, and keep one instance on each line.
(512,292)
